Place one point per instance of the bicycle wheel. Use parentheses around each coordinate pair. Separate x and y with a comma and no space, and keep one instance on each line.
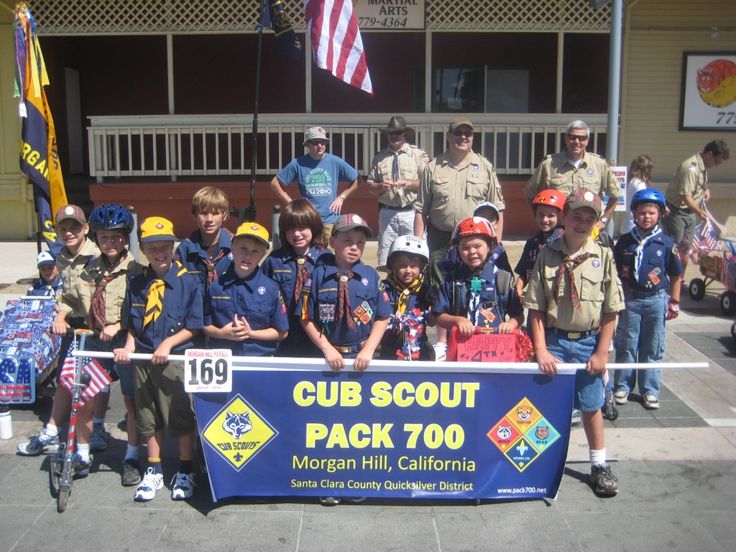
(62,499)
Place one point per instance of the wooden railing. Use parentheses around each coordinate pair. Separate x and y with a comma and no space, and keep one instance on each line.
(220,145)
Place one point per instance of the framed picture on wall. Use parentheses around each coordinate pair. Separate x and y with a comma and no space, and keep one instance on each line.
(708,91)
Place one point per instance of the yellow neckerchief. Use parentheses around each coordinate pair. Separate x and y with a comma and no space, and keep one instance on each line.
(402,300)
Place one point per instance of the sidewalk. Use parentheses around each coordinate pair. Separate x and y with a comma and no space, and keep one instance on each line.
(676,472)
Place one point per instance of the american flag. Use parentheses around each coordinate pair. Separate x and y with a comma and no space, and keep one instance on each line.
(99,378)
(706,235)
(336,42)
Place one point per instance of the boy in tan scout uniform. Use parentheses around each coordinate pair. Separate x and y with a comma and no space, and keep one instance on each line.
(573,298)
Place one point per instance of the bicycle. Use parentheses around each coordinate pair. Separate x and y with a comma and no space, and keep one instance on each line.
(61,469)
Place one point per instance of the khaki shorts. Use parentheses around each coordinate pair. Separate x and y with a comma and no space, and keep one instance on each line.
(160,400)
(680,224)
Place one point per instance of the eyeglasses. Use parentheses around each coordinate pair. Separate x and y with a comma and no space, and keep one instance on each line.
(317,143)
(111,239)
(577,138)
(463,133)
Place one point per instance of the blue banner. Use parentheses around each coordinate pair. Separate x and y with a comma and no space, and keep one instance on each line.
(451,434)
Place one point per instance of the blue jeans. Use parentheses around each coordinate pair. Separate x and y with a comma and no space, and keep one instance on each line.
(640,337)
(589,393)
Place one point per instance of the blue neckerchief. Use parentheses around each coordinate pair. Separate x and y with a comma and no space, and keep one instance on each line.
(641,242)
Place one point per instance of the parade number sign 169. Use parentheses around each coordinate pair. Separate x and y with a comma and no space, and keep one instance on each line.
(208,371)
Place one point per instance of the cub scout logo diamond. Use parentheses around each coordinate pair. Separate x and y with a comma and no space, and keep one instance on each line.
(238,432)
(523,434)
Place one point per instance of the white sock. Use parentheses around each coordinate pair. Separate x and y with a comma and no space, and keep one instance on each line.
(51,430)
(131,453)
(83,451)
(597,457)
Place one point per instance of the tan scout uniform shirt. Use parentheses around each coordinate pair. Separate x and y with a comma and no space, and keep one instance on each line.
(448,194)
(412,161)
(557,172)
(596,280)
(691,179)
(70,269)
(114,289)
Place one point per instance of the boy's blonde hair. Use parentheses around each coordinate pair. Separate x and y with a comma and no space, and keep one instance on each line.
(210,200)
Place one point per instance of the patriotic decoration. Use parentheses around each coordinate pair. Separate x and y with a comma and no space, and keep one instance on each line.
(99,378)
(274,17)
(336,42)
(27,348)
(39,154)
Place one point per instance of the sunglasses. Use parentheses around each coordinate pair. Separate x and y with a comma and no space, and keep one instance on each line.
(317,142)
(463,133)
(577,138)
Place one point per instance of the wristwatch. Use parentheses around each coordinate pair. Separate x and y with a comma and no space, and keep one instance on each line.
(342,196)
(604,220)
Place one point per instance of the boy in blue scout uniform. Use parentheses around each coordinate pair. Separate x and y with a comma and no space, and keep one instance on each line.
(206,253)
(651,272)
(163,314)
(291,266)
(573,298)
(547,207)
(48,283)
(244,309)
(410,298)
(471,295)
(344,309)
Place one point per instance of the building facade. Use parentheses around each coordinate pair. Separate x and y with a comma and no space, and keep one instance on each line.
(154,99)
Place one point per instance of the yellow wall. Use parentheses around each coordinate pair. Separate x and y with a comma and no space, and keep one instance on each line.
(659,32)
(16,195)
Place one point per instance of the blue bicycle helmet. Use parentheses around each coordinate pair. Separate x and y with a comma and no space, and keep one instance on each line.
(648,195)
(111,216)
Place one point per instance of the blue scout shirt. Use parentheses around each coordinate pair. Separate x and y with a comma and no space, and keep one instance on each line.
(659,262)
(256,297)
(195,258)
(39,288)
(182,308)
(475,296)
(531,251)
(366,295)
(318,180)
(407,332)
(281,266)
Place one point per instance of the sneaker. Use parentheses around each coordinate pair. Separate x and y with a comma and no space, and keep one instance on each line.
(147,488)
(182,486)
(98,442)
(38,444)
(131,473)
(651,402)
(576,418)
(610,412)
(329,500)
(603,481)
(80,468)
(621,396)
(440,351)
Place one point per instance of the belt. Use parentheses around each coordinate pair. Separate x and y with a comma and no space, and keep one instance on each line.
(644,293)
(574,336)
(348,349)
(404,208)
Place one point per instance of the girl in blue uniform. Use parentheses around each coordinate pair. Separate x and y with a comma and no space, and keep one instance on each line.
(409,294)
(291,267)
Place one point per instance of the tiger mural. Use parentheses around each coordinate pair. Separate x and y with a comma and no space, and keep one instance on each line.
(717,83)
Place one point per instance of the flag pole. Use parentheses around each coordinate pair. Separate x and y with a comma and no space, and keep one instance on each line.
(250,212)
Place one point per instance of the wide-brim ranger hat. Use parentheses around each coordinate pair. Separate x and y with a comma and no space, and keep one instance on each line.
(254,231)
(351,221)
(70,212)
(460,121)
(397,124)
(314,133)
(156,229)
(585,198)
(45,258)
